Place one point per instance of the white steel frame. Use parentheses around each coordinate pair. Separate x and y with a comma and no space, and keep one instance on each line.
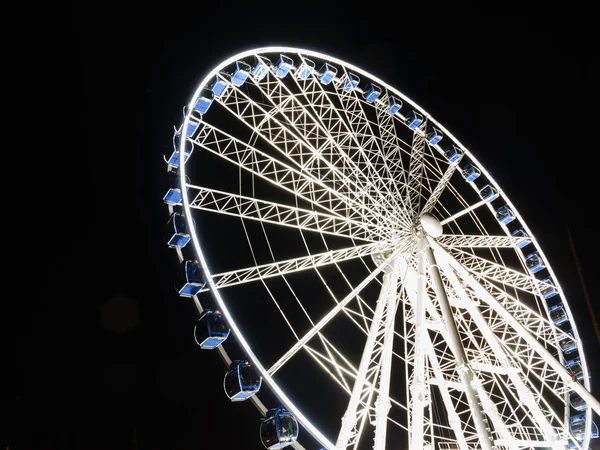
(453,298)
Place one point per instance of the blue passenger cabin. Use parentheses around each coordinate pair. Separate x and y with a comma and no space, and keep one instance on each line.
(453,153)
(579,438)
(327,73)
(534,262)
(371,92)
(305,69)
(177,234)
(470,172)
(520,232)
(174,160)
(574,366)
(211,329)
(240,73)
(204,100)
(191,128)
(351,82)
(260,69)
(434,135)
(576,402)
(547,288)
(558,315)
(488,193)
(218,85)
(414,119)
(567,344)
(173,195)
(577,427)
(283,66)
(504,214)
(241,381)
(278,429)
(191,280)
(394,105)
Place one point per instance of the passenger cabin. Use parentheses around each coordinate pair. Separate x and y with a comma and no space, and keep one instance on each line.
(283,66)
(394,105)
(260,68)
(191,128)
(568,344)
(558,314)
(191,280)
(547,288)
(278,429)
(576,402)
(574,366)
(173,195)
(453,153)
(327,73)
(241,381)
(371,92)
(434,136)
(577,427)
(204,100)
(218,86)
(211,329)
(488,193)
(177,234)
(534,262)
(520,232)
(414,119)
(240,73)
(470,172)
(593,435)
(351,82)
(174,159)
(305,69)
(504,214)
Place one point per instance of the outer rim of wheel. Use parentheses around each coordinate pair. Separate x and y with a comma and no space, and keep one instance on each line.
(302,420)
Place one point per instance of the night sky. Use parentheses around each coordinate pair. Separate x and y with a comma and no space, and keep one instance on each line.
(108,361)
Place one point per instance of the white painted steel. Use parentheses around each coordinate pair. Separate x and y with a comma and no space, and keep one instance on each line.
(472,363)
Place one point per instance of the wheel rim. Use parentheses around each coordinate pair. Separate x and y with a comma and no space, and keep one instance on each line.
(373,197)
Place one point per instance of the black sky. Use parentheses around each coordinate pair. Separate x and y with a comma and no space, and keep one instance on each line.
(112,352)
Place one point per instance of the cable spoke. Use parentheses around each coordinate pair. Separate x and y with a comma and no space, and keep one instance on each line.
(331,314)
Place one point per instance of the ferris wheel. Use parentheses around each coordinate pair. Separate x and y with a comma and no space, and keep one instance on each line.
(346,253)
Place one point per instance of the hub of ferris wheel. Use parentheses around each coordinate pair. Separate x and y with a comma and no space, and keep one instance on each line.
(426,225)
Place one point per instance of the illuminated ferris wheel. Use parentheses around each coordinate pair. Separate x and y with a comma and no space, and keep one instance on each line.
(365,268)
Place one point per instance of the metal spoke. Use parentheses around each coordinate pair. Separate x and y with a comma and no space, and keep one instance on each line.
(296,138)
(286,176)
(331,314)
(270,212)
(473,241)
(282,268)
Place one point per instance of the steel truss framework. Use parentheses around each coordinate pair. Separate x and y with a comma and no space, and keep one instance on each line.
(360,228)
